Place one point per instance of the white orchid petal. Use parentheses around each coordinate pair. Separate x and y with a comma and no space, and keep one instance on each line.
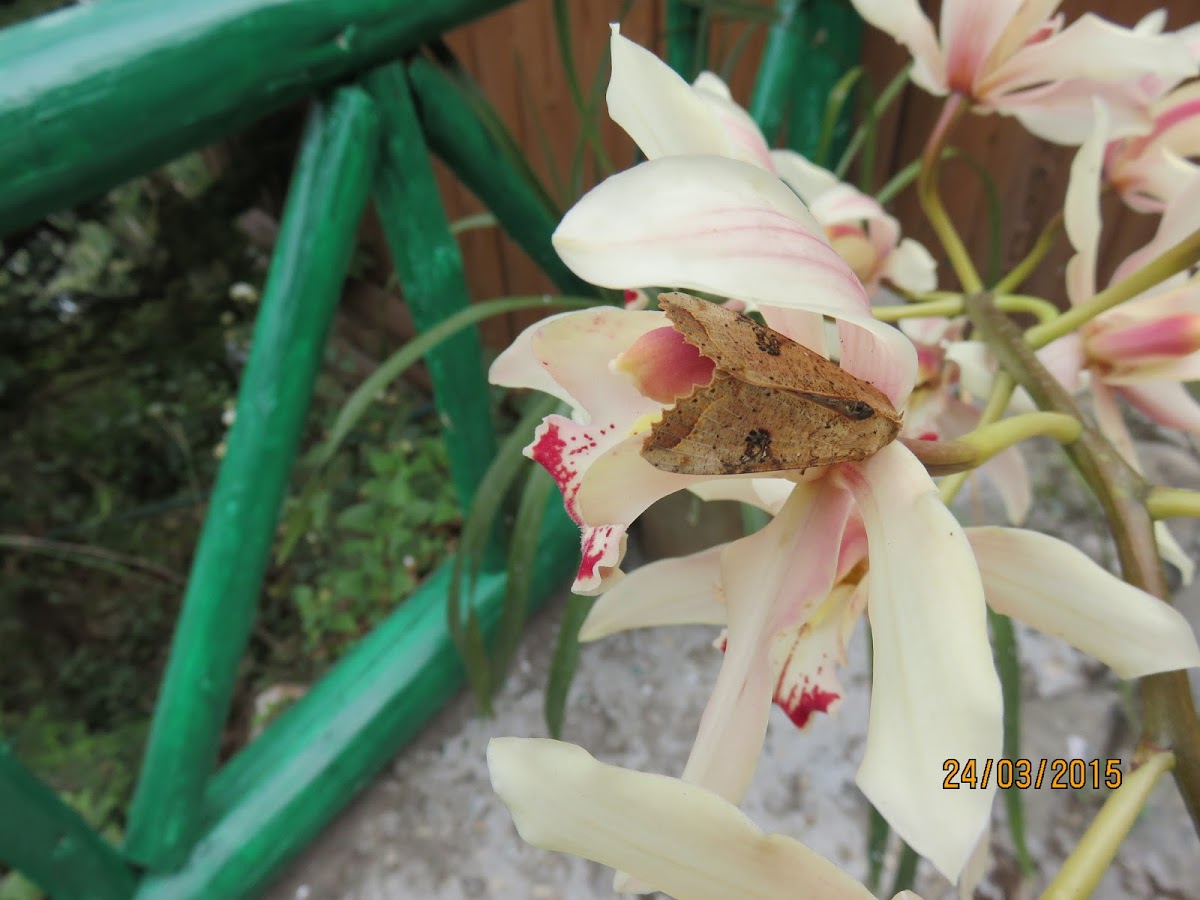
(1170,551)
(768,494)
(575,350)
(1166,402)
(806,178)
(678,837)
(517,366)
(657,108)
(1098,50)
(1181,218)
(935,694)
(1064,360)
(770,579)
(1052,586)
(1081,214)
(1009,475)
(905,22)
(677,591)
(911,267)
(970,30)
(620,485)
(884,357)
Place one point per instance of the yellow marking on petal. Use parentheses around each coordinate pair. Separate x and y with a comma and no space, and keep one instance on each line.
(644,423)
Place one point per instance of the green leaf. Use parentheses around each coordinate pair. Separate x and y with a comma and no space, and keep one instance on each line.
(522,553)
(874,113)
(839,94)
(566,659)
(396,364)
(566,52)
(1008,666)
(476,537)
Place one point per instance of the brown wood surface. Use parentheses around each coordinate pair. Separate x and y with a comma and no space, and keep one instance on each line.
(513,55)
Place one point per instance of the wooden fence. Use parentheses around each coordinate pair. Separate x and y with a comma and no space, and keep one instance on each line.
(514,56)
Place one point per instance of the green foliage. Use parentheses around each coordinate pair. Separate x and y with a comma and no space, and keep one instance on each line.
(375,529)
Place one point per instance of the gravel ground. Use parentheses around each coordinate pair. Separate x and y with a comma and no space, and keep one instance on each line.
(429,826)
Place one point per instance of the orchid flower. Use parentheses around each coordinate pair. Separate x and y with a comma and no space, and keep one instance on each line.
(679,838)
(796,665)
(1149,169)
(707,223)
(1014,57)
(1145,348)
(667,117)
(886,508)
(941,407)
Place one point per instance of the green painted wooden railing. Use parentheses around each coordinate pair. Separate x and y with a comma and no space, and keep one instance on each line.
(102,92)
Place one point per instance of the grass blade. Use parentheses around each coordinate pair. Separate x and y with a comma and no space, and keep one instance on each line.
(522,554)
(566,660)
(1008,666)
(874,113)
(566,52)
(839,94)
(477,538)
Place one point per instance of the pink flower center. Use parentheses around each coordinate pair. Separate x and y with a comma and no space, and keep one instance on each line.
(663,366)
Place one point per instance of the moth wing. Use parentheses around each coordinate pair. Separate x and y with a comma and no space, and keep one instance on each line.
(760,355)
(732,427)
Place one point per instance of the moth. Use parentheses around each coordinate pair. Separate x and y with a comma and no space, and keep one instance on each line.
(773,405)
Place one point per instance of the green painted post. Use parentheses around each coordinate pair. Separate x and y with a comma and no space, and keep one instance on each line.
(46,840)
(684,51)
(832,45)
(101,92)
(278,792)
(779,68)
(328,192)
(456,135)
(430,269)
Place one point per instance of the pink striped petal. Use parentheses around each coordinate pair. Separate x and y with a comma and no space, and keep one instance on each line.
(935,695)
(771,579)
(969,30)
(1094,49)
(726,228)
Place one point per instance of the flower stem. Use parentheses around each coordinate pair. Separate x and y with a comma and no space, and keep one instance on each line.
(977,447)
(1170,503)
(948,303)
(931,200)
(1177,259)
(1083,869)
(1002,391)
(1043,245)
(1170,720)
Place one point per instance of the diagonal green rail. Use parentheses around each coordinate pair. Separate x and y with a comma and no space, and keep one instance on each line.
(102,92)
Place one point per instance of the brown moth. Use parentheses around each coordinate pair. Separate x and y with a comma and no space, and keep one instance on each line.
(772,404)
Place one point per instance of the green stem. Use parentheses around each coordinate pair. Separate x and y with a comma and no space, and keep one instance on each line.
(977,447)
(1169,712)
(1002,391)
(1043,245)
(1177,259)
(1170,503)
(948,303)
(931,200)
(1081,872)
